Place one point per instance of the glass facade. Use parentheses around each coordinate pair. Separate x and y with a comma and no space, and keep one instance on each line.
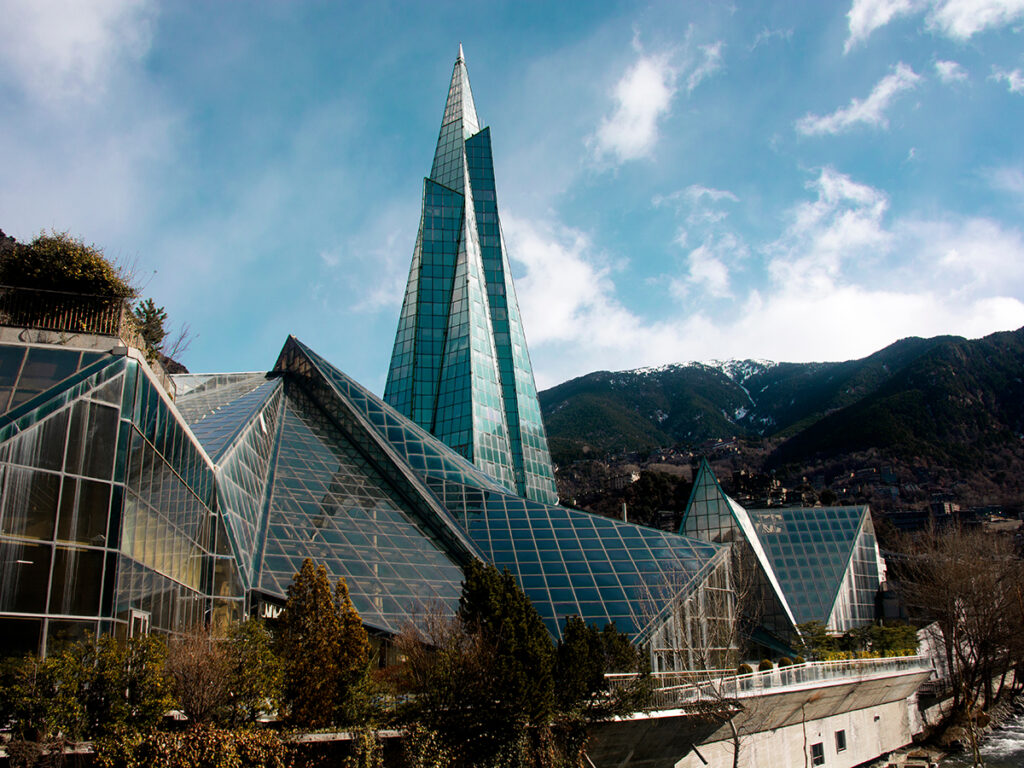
(568,562)
(827,561)
(460,368)
(107,517)
(822,563)
(122,511)
(712,516)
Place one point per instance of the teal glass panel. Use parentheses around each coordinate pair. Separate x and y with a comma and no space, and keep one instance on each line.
(331,503)
(459,366)
(216,415)
(812,549)
(243,478)
(534,476)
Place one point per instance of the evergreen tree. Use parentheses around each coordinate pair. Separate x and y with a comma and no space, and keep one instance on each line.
(150,320)
(494,607)
(254,671)
(324,647)
(353,650)
(584,656)
(579,665)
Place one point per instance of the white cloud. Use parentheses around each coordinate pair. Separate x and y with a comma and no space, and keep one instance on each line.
(84,128)
(843,282)
(57,51)
(710,62)
(870,111)
(643,96)
(865,16)
(1014,79)
(707,266)
(845,222)
(957,19)
(962,19)
(1007,179)
(766,34)
(695,193)
(950,72)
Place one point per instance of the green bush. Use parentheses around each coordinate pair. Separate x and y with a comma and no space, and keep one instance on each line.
(785,661)
(60,262)
(799,660)
(765,665)
(744,669)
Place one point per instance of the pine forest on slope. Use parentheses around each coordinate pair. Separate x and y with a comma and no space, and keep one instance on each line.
(947,407)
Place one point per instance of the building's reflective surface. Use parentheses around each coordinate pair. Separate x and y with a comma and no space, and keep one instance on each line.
(460,368)
(800,564)
(122,511)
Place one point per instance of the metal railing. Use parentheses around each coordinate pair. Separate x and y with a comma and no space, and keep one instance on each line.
(67,312)
(673,690)
(64,312)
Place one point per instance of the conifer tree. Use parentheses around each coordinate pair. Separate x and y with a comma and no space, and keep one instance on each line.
(323,645)
(493,606)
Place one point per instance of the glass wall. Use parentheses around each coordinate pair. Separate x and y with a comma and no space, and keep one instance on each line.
(105,507)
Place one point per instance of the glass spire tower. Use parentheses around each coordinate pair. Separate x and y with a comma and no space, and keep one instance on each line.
(460,367)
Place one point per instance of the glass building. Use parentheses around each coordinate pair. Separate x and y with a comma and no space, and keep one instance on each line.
(795,564)
(123,510)
(460,368)
(131,501)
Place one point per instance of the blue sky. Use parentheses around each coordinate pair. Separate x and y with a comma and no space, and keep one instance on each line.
(678,181)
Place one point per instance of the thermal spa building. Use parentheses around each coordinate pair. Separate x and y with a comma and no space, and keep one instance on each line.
(131,501)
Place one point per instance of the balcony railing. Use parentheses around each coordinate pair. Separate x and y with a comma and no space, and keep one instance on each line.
(67,312)
(75,313)
(673,690)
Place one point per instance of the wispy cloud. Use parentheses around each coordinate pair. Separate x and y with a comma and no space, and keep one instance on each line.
(956,19)
(962,19)
(1014,79)
(950,72)
(865,16)
(642,97)
(839,263)
(60,51)
(707,267)
(870,111)
(84,128)
(709,62)
(1007,179)
(766,35)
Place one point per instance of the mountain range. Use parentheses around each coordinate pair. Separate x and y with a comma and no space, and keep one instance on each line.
(947,401)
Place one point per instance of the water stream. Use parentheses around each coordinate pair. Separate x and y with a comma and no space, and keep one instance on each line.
(1003,748)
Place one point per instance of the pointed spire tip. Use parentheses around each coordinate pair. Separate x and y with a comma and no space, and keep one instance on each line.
(461,57)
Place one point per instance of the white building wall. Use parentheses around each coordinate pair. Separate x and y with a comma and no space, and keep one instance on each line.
(870,732)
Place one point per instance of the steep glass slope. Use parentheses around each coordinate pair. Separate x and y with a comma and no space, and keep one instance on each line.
(332,504)
(813,552)
(459,367)
(712,516)
(217,414)
(531,459)
(568,562)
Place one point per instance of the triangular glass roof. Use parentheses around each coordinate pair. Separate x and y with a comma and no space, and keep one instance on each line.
(331,503)
(568,562)
(711,515)
(810,549)
(219,409)
(459,122)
